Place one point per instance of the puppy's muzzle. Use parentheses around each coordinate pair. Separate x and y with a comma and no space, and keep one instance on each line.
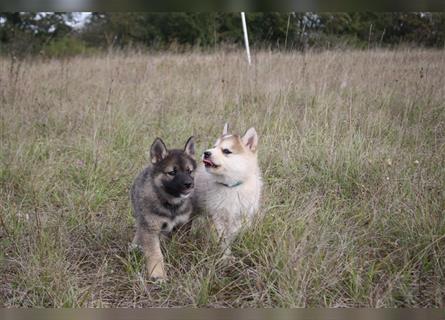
(188,185)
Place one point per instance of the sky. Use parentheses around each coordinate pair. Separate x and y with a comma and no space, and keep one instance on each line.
(80,19)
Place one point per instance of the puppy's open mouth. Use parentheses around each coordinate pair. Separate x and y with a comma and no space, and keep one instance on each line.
(209,164)
(185,195)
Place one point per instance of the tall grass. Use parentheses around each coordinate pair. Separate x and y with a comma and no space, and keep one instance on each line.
(352,152)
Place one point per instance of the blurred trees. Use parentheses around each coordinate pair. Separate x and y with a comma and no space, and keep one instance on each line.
(27,32)
(149,29)
(426,29)
(36,32)
(272,29)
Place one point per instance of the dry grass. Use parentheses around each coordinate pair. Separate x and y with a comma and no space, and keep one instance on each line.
(351,145)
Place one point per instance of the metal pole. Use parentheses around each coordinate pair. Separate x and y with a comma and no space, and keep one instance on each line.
(246,38)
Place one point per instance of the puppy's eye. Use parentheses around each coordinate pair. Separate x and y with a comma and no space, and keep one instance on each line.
(172,173)
(189,171)
(226,151)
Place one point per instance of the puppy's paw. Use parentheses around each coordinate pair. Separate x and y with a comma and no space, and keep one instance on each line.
(132,247)
(228,259)
(157,274)
(157,280)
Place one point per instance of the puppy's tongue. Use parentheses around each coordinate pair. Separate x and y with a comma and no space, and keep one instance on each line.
(208,163)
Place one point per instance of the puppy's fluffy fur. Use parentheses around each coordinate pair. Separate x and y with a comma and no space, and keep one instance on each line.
(161,199)
(228,184)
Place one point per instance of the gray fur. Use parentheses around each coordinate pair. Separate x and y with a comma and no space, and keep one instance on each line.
(161,201)
(149,201)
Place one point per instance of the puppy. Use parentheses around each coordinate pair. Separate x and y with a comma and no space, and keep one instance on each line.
(161,199)
(228,184)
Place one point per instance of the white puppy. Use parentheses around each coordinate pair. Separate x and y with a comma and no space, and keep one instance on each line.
(228,184)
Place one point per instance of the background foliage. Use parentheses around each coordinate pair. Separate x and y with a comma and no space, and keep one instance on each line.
(52,33)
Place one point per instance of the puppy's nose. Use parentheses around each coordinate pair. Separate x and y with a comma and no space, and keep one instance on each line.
(207,154)
(188,185)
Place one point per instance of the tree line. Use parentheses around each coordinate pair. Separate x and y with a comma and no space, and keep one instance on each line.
(55,33)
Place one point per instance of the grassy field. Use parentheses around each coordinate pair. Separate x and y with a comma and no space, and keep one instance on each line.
(352,149)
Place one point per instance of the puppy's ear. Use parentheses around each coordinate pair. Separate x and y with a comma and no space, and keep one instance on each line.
(190,146)
(250,139)
(226,129)
(158,151)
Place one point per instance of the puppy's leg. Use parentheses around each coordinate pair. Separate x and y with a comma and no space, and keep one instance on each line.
(227,230)
(149,241)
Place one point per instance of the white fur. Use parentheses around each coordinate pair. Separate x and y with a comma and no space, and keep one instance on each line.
(231,208)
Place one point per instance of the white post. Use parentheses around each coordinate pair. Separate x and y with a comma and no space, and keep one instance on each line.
(246,38)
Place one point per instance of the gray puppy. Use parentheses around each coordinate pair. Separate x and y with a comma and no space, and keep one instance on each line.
(161,199)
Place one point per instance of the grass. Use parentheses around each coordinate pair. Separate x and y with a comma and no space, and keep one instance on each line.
(352,149)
